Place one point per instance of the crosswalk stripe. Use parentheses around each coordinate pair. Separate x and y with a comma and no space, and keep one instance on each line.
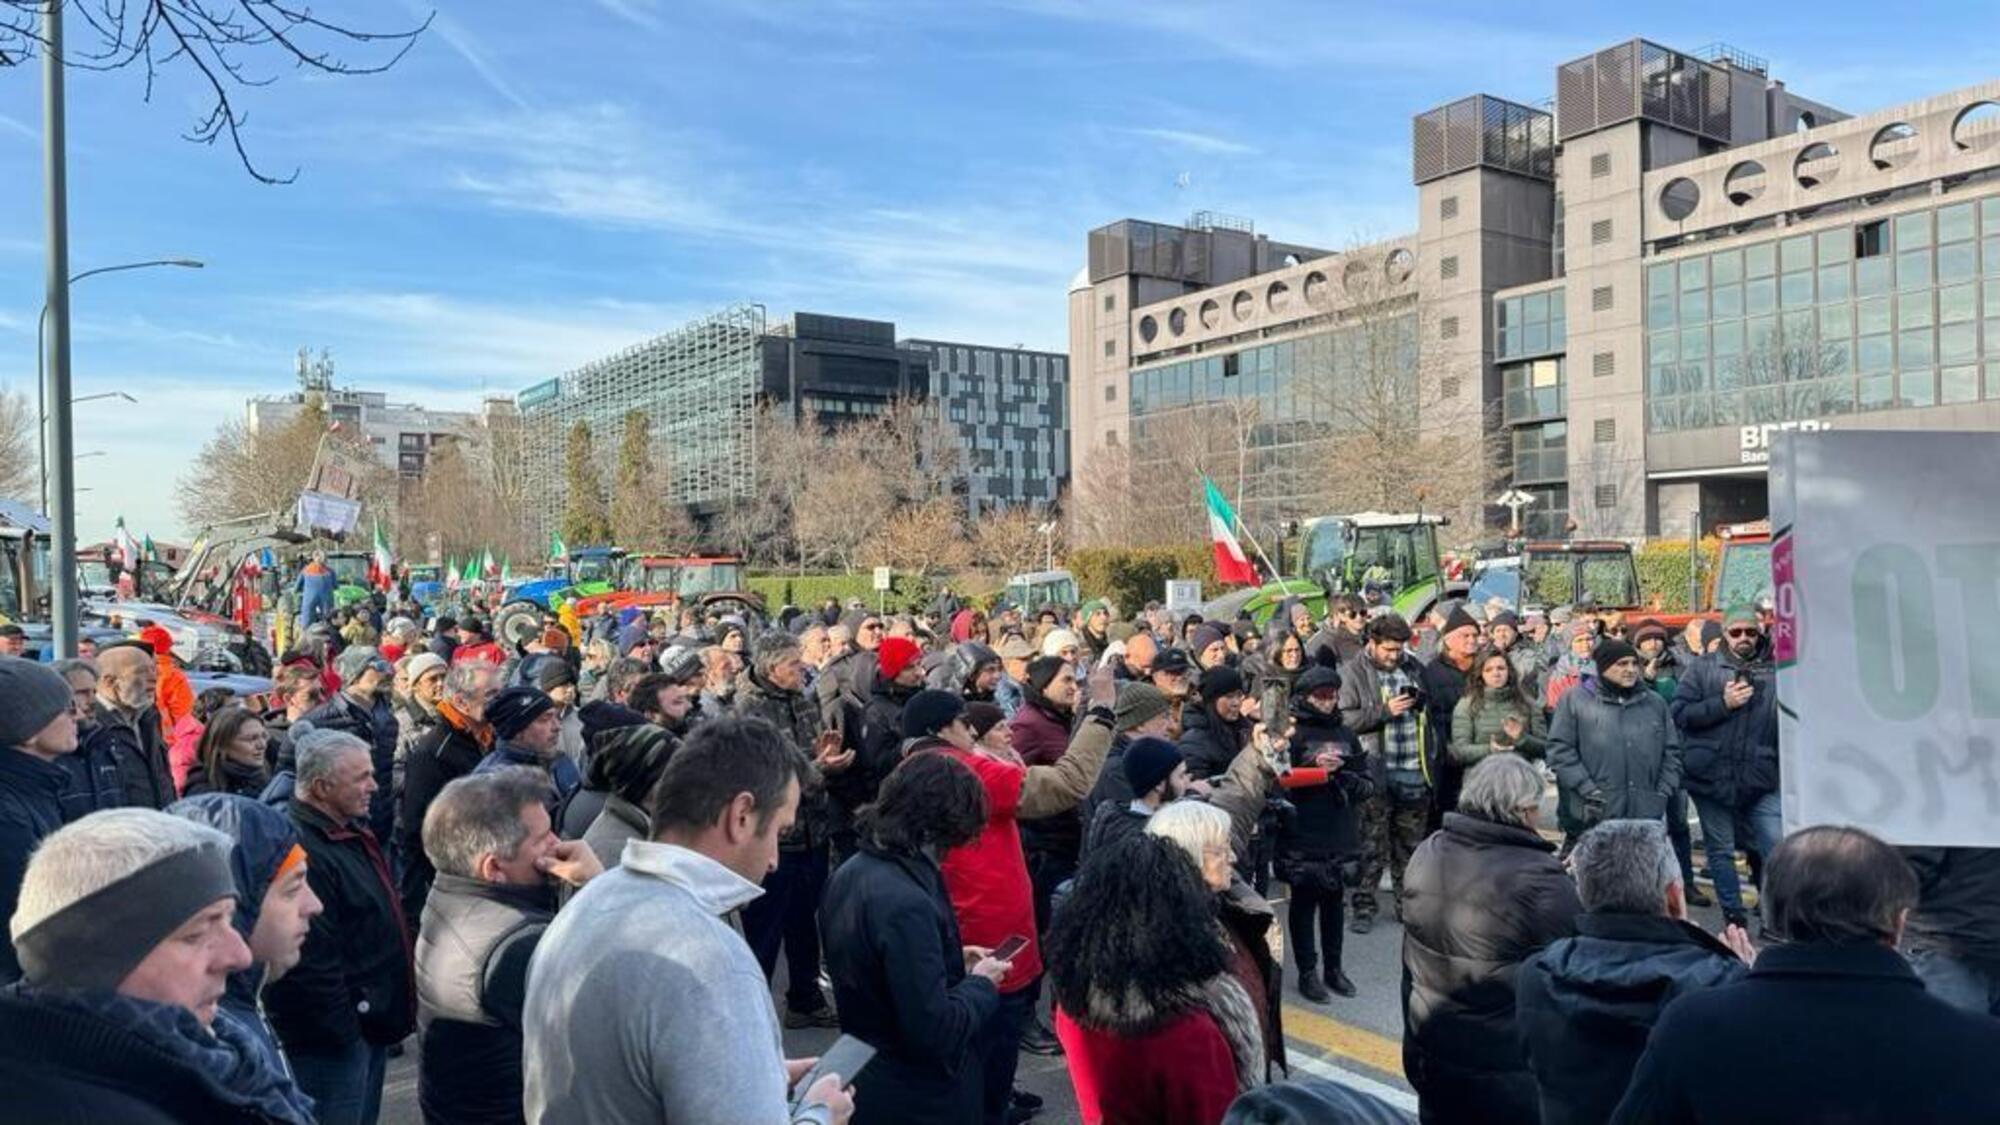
(1319,1068)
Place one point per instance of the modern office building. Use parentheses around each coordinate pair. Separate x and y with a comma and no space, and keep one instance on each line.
(1010,408)
(401,433)
(701,388)
(1642,279)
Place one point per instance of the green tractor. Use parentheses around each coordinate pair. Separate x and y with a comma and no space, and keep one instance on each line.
(1388,559)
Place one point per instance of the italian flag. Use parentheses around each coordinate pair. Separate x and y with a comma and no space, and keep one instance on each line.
(382,562)
(557,549)
(1232,566)
(453,577)
(487,569)
(128,547)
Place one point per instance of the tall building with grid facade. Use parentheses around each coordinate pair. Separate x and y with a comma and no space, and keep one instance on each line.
(1642,279)
(1010,408)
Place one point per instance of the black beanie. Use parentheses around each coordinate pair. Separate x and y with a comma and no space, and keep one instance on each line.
(1505,617)
(929,712)
(1611,651)
(1219,681)
(514,708)
(1458,619)
(1043,670)
(1149,761)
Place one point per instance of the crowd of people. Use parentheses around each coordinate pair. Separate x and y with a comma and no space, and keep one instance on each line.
(565,871)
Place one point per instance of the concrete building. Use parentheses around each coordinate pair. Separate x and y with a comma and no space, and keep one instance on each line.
(1010,408)
(402,434)
(1642,284)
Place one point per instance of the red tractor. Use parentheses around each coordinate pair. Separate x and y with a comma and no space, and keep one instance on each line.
(655,581)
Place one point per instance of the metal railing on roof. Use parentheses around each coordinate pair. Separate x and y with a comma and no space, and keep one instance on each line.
(1719,51)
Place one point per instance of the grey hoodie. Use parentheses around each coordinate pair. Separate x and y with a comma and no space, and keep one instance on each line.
(645,1006)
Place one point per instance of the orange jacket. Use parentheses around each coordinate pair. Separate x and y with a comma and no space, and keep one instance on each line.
(173,694)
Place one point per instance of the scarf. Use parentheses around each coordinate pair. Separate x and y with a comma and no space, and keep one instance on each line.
(479,731)
(229,1063)
(1223,997)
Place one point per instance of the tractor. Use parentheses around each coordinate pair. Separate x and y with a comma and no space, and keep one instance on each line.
(1386,558)
(587,572)
(652,581)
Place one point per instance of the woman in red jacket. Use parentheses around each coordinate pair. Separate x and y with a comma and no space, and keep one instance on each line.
(1156,1029)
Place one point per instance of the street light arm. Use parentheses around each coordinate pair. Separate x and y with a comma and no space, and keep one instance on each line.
(178,263)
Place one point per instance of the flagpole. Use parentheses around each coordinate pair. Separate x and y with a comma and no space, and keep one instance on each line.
(1272,570)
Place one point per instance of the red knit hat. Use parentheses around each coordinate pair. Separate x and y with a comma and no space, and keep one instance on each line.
(895,654)
(158,639)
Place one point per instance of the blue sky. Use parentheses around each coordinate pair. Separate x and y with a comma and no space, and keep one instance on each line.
(523,194)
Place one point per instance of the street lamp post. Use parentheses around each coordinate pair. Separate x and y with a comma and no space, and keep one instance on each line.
(55,380)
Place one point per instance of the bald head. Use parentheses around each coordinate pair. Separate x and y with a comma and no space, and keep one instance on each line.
(126,674)
(1139,653)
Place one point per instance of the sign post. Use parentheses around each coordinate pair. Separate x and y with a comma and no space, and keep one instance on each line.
(1885,565)
(884,578)
(1514,500)
(1183,594)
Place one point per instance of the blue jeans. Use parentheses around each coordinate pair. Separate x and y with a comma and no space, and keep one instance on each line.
(345,1085)
(1764,821)
(1962,984)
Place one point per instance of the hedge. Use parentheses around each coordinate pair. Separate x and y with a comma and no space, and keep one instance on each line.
(1663,571)
(1133,576)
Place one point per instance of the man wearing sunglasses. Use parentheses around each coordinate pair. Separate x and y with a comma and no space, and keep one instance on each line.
(1727,709)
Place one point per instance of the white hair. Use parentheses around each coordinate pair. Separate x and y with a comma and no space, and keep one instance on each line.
(1499,787)
(319,753)
(1196,826)
(87,855)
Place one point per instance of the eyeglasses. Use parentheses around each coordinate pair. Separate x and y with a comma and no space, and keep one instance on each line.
(1740,632)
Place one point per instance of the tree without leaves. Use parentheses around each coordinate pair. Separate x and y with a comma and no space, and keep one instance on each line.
(1010,541)
(215,40)
(585,521)
(241,472)
(920,539)
(459,501)
(20,468)
(644,517)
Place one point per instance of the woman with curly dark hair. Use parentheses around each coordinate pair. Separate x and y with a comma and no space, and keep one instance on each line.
(902,982)
(1156,1028)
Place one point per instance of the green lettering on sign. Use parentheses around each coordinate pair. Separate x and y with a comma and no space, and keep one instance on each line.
(1976,569)
(1893,616)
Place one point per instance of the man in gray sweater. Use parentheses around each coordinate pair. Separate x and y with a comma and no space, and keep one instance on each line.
(644,1004)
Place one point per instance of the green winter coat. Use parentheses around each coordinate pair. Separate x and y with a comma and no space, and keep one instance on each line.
(1472,736)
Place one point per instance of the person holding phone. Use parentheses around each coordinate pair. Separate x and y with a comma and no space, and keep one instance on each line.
(903,981)
(1726,706)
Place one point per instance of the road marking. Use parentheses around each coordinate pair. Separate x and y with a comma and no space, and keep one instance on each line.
(1320,1068)
(1365,1047)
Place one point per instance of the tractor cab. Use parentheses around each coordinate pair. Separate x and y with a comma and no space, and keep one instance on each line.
(1032,591)
(1388,559)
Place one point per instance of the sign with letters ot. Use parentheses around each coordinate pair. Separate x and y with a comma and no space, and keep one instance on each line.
(1886,572)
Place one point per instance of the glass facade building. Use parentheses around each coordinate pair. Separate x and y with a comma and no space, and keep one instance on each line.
(1010,408)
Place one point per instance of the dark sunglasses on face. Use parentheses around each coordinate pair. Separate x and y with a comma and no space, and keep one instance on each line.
(1740,633)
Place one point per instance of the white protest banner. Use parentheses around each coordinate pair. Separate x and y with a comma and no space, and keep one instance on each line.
(1886,569)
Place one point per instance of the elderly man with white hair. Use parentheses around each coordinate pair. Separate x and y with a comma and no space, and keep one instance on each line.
(352,994)
(1587,1003)
(125,937)
(1480,897)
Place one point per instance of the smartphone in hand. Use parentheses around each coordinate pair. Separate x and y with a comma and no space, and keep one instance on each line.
(846,1058)
(1006,950)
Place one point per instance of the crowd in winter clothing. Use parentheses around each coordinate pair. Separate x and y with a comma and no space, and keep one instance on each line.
(570,867)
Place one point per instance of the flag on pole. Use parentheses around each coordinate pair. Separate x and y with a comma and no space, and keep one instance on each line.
(1232,566)
(506,572)
(128,547)
(487,568)
(149,552)
(452,578)
(382,564)
(557,548)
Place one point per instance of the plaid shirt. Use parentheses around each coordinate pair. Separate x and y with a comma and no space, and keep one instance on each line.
(1402,748)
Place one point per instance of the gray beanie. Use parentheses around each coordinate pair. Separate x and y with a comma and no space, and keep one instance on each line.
(32,694)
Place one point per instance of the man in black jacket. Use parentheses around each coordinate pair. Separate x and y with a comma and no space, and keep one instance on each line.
(126,725)
(451,750)
(37,732)
(1830,1024)
(364,710)
(487,911)
(1586,1003)
(352,994)
(1443,681)
(1727,709)
(124,932)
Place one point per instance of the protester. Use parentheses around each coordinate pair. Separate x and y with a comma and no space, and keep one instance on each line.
(1141,711)
(362,708)
(451,750)
(37,731)
(1496,715)
(93,783)
(275,903)
(1830,1024)
(1213,733)
(126,726)
(497,861)
(476,644)
(1588,1002)
(1156,774)
(1954,932)
(643,1003)
(1322,840)
(1382,702)
(230,758)
(173,694)
(1442,682)
(527,731)
(184,737)
(1480,897)
(351,995)
(416,708)
(1726,708)
(627,765)
(125,935)
(298,690)
(1155,1027)
(1338,639)
(1571,665)
(903,980)
(1614,748)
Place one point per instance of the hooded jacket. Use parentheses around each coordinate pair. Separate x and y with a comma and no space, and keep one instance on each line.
(1731,756)
(264,837)
(1587,1004)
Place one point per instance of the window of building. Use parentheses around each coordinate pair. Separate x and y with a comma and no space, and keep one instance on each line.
(1110,305)
(1448,387)
(1600,299)
(1532,391)
(1532,325)
(1111,392)
(1110,347)
(1607,496)
(1871,240)
(1600,165)
(1602,365)
(1600,232)
(1448,268)
(1604,431)
(1448,207)
(1540,452)
(1448,328)
(1111,437)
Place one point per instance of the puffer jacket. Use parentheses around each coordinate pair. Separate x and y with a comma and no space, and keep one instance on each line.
(1041,737)
(1209,742)
(1479,899)
(1731,756)
(798,719)
(264,837)
(1620,745)
(1587,1004)
(1473,733)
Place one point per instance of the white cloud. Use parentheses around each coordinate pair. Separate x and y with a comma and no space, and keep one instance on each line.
(1196,142)
(640,13)
(17,128)
(468,47)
